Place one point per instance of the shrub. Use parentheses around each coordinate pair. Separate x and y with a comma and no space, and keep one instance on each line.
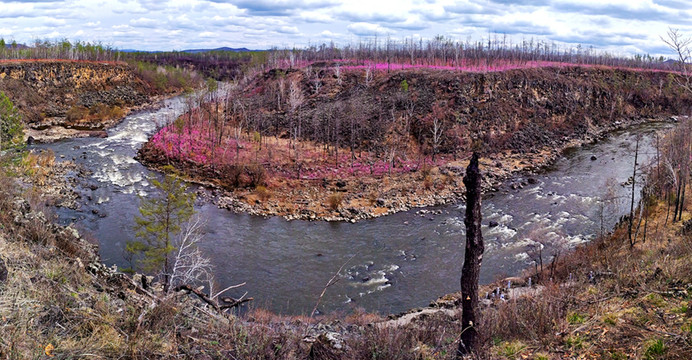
(575,318)
(655,300)
(256,175)
(654,349)
(231,176)
(511,350)
(610,319)
(76,113)
(334,201)
(11,129)
(372,198)
(263,193)
(574,342)
(427,182)
(105,112)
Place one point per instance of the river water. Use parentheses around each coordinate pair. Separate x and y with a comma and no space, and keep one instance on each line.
(393,263)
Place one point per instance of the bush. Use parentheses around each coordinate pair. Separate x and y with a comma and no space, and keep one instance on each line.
(231,176)
(334,201)
(263,193)
(105,112)
(11,129)
(76,113)
(427,182)
(256,175)
(575,318)
(655,349)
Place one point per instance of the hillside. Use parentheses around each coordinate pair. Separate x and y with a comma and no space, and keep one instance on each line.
(322,142)
(61,98)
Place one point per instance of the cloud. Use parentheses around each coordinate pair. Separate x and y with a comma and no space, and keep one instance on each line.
(620,11)
(614,25)
(145,23)
(522,2)
(520,27)
(367,29)
(55,22)
(469,8)
(674,4)
(279,7)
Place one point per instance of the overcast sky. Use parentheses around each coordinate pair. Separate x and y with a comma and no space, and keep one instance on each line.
(620,26)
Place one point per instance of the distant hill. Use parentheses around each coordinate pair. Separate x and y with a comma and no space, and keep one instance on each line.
(218,49)
(193,51)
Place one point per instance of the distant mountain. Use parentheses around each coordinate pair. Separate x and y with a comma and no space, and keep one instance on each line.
(218,49)
(193,51)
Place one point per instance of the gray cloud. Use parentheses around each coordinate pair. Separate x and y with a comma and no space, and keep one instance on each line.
(647,13)
(279,7)
(674,4)
(523,2)
(520,28)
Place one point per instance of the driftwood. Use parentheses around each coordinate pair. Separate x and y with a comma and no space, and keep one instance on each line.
(228,302)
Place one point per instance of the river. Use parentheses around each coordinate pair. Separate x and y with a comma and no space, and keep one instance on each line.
(397,262)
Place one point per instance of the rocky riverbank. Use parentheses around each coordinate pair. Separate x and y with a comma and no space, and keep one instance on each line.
(367,198)
(55,131)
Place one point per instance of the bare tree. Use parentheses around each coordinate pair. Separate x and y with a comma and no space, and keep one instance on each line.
(681,45)
(192,269)
(634,182)
(189,265)
(473,257)
(295,101)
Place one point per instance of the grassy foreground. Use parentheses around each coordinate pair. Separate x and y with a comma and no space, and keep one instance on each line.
(604,301)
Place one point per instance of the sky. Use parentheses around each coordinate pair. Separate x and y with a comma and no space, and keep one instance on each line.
(622,27)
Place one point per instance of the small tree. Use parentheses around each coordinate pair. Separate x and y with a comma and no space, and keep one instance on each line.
(162,217)
(11,130)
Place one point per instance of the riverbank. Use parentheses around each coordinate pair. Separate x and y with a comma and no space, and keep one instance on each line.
(365,197)
(47,133)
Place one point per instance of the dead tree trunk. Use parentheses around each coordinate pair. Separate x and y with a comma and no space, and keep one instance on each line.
(634,182)
(472,258)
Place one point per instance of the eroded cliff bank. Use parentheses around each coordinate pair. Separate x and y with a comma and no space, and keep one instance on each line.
(75,98)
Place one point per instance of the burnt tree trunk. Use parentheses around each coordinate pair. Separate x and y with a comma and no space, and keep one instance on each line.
(634,182)
(472,258)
